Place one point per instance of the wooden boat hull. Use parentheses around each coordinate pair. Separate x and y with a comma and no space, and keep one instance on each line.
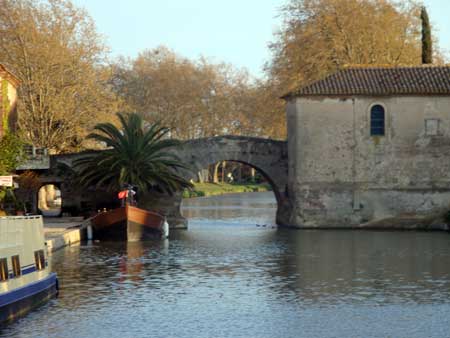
(128,224)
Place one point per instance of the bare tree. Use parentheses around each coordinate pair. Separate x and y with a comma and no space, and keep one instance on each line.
(195,98)
(54,49)
(321,36)
(427,43)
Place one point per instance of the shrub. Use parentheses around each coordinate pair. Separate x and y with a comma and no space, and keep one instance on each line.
(11,153)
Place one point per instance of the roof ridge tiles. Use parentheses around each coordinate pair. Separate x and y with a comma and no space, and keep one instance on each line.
(388,66)
(400,80)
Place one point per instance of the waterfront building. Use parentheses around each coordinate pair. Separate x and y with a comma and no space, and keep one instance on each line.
(36,158)
(368,144)
(8,100)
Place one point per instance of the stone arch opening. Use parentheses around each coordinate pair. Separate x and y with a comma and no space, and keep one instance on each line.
(267,178)
(50,200)
(269,157)
(194,209)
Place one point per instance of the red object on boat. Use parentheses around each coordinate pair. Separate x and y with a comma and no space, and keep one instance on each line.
(122,194)
(128,223)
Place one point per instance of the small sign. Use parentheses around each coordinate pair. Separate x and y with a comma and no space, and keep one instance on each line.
(6,181)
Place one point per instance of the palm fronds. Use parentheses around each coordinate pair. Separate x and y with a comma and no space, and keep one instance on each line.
(135,155)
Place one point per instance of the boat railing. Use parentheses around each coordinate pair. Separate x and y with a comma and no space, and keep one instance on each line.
(14,221)
(21,217)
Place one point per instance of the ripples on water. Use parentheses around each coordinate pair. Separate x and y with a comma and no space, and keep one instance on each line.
(227,277)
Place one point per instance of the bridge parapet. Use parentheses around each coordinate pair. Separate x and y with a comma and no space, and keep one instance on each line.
(267,156)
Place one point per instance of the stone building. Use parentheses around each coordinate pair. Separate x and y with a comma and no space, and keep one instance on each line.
(8,100)
(370,143)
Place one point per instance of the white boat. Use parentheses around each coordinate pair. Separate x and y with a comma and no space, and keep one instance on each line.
(25,278)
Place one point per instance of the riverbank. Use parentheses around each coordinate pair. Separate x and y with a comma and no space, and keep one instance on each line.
(214,189)
(64,231)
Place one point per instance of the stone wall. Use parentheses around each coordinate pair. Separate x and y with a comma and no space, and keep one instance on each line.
(341,176)
(269,157)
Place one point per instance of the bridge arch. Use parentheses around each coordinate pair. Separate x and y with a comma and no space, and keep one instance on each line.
(268,157)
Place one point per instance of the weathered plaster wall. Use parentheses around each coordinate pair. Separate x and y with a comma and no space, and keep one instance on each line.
(12,103)
(12,96)
(342,176)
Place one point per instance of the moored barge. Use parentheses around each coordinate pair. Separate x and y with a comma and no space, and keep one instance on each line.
(25,277)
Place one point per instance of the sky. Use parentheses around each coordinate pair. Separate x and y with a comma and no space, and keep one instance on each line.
(232,31)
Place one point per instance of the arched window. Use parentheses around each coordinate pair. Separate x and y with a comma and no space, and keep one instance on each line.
(377,120)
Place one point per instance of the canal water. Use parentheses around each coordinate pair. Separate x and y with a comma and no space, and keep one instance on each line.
(233,275)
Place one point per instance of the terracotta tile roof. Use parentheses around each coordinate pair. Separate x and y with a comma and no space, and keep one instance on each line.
(416,80)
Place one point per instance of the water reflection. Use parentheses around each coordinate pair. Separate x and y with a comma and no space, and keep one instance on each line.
(223,278)
(367,266)
(244,208)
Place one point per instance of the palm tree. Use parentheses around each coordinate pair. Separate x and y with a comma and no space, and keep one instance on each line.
(135,155)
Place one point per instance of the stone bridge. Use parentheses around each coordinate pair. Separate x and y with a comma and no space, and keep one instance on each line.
(267,156)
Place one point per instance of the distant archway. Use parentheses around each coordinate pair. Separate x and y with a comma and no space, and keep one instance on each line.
(230,179)
(50,200)
(268,157)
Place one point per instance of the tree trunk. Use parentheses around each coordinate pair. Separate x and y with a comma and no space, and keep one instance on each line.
(216,173)
(224,163)
(200,177)
(203,175)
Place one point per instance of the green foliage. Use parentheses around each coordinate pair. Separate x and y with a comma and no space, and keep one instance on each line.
(193,193)
(427,44)
(11,153)
(5,105)
(20,205)
(135,154)
(9,201)
(211,189)
(7,196)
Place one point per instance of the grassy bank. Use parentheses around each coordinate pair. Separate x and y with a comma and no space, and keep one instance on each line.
(211,189)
